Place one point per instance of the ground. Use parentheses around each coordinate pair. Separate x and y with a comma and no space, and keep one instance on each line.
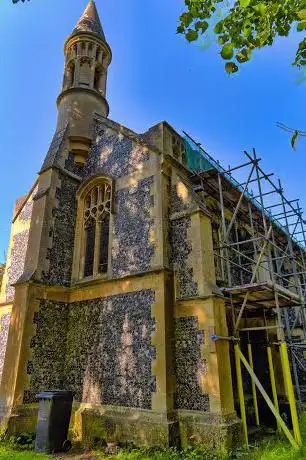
(268,450)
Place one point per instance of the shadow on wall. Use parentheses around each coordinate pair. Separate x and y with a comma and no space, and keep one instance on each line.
(106,355)
(133,248)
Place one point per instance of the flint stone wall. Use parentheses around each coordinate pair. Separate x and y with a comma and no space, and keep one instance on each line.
(113,155)
(181,250)
(132,249)
(191,368)
(104,357)
(62,231)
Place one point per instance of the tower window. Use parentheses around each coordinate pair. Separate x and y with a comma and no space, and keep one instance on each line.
(98,54)
(69,75)
(72,73)
(97,78)
(85,71)
(96,223)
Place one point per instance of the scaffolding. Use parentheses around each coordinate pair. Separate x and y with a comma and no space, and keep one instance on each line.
(259,250)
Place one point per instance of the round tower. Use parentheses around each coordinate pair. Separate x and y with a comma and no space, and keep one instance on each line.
(87,57)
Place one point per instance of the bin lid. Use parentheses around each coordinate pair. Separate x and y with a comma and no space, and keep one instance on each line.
(56,394)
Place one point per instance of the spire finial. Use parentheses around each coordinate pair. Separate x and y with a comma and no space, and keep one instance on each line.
(90,22)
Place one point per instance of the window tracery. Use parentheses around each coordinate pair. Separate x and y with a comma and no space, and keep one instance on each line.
(96,222)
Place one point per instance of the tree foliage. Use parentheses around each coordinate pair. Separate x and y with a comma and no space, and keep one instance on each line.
(242,26)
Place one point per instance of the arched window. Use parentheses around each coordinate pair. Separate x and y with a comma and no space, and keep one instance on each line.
(96,221)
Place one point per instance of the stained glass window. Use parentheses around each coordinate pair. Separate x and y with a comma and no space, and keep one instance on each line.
(104,235)
(90,232)
(96,229)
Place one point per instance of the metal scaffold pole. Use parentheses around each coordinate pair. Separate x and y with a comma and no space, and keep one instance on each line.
(262,270)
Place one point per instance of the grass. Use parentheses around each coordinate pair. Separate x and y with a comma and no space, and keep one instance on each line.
(271,448)
(8,453)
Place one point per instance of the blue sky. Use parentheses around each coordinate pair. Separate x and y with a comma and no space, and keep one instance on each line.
(155,75)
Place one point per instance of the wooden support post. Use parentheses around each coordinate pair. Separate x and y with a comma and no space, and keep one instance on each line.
(270,404)
(290,392)
(240,393)
(273,384)
(253,385)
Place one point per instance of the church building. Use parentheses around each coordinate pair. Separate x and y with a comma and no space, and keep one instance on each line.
(116,285)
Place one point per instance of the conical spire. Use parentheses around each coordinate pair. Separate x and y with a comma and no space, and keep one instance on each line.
(89,22)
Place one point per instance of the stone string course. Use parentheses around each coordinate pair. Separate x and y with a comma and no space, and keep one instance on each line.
(106,355)
(190,367)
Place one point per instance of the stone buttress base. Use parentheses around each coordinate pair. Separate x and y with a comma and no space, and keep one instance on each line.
(92,423)
(219,431)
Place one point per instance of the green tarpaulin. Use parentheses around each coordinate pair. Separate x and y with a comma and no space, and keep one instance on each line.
(195,160)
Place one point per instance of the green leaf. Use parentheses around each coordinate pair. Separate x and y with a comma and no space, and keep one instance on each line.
(242,25)
(227,51)
(218,27)
(191,35)
(203,25)
(261,9)
(231,67)
(247,28)
(244,3)
(301,26)
(302,14)
(186,19)
(244,55)
(222,39)
(238,42)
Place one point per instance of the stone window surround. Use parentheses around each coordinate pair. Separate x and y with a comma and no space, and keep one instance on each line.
(79,242)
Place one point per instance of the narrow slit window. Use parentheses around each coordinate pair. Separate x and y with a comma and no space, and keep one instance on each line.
(97,79)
